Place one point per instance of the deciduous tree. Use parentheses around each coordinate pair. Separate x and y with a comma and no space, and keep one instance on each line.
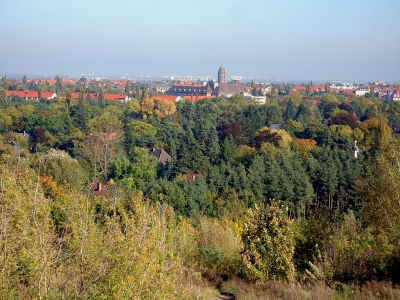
(268,244)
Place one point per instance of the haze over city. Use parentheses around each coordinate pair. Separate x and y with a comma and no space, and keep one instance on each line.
(302,40)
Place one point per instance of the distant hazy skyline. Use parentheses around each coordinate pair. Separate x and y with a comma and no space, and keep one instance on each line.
(292,39)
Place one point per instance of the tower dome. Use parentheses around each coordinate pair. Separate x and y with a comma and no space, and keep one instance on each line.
(221,74)
(356,149)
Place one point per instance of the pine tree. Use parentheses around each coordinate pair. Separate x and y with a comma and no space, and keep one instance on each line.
(290,111)
(308,89)
(228,148)
(59,85)
(327,88)
(68,100)
(256,175)
(100,99)
(128,87)
(3,96)
(145,94)
(212,145)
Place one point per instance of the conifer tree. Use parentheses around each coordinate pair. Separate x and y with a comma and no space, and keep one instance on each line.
(228,148)
(128,87)
(327,88)
(3,96)
(290,111)
(212,145)
(100,99)
(256,175)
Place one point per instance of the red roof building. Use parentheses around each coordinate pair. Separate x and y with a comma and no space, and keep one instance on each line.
(166,97)
(30,95)
(94,96)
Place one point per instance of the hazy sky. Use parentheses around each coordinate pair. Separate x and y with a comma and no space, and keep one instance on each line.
(291,39)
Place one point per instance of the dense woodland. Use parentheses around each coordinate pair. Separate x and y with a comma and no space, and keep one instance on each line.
(267,207)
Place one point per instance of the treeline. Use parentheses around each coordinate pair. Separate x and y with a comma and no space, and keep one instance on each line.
(259,192)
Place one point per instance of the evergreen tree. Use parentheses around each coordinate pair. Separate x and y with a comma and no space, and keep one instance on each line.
(212,145)
(190,155)
(59,85)
(327,87)
(228,148)
(252,121)
(243,181)
(3,96)
(68,100)
(273,177)
(308,89)
(326,182)
(304,114)
(138,92)
(80,113)
(145,93)
(256,175)
(290,111)
(100,99)
(128,87)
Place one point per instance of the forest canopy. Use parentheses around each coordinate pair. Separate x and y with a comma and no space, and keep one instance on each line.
(106,199)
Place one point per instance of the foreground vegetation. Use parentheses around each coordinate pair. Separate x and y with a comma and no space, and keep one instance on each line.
(284,213)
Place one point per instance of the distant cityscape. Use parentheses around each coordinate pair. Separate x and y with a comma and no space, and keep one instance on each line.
(168,78)
(176,88)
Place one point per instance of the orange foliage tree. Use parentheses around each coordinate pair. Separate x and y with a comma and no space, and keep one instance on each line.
(305,145)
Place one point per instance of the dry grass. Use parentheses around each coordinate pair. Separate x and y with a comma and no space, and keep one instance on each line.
(276,290)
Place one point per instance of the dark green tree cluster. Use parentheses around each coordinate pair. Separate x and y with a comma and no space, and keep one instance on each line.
(229,156)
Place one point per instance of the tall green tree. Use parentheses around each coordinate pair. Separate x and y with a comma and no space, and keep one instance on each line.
(256,176)
(327,87)
(3,96)
(212,145)
(59,85)
(128,88)
(290,111)
(80,113)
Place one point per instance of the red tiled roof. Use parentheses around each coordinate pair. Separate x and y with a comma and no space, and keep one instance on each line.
(98,188)
(318,88)
(298,88)
(69,81)
(194,98)
(95,96)
(76,95)
(114,97)
(51,81)
(165,97)
(24,94)
(48,94)
(30,94)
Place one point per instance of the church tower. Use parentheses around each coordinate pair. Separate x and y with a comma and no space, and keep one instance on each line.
(221,75)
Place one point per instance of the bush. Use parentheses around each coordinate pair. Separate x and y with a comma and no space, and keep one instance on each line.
(268,242)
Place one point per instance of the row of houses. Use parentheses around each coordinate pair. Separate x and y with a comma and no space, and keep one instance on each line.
(385,92)
(33,95)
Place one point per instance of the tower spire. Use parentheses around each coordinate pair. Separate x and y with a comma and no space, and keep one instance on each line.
(221,74)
